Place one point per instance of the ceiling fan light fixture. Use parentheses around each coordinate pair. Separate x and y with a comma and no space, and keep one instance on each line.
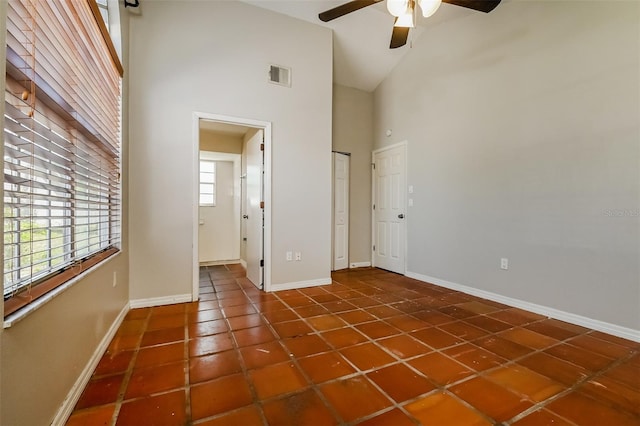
(398,7)
(429,7)
(405,20)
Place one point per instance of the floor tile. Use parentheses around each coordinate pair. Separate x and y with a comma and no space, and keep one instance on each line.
(326,366)
(599,346)
(400,382)
(241,417)
(463,330)
(627,372)
(213,366)
(92,416)
(113,362)
(166,321)
(542,417)
(207,328)
(367,356)
(525,382)
(583,410)
(201,316)
(263,354)
(404,346)
(100,391)
(488,323)
(210,344)
(443,409)
(516,317)
(502,347)
(245,321)
(304,408)
(528,338)
(163,336)
(393,417)
(158,355)
(343,337)
(280,316)
(292,328)
(490,398)
(218,396)
(554,368)
(354,398)
(377,329)
(277,379)
(407,323)
(253,336)
(478,307)
(615,393)
(306,345)
(123,342)
(356,317)
(474,357)
(147,381)
(326,322)
(580,357)
(436,338)
(440,368)
(168,409)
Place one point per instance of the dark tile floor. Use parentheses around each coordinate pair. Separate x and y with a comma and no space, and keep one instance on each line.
(373,348)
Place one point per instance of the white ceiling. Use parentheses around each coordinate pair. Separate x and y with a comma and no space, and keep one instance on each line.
(361,54)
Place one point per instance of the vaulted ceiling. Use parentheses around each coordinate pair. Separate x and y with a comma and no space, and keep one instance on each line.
(362,58)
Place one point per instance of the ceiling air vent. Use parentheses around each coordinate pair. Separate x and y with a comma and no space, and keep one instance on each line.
(280,75)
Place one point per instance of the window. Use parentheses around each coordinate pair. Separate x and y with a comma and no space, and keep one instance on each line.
(61,146)
(104,11)
(207,183)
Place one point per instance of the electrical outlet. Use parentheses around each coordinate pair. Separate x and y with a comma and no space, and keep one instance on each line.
(504,263)
(289,256)
(298,256)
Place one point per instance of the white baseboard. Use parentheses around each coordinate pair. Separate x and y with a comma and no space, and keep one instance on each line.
(160,301)
(300,284)
(605,327)
(359,264)
(78,387)
(243,263)
(219,262)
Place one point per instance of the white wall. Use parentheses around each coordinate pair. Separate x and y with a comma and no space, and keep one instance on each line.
(353,133)
(219,225)
(524,143)
(213,57)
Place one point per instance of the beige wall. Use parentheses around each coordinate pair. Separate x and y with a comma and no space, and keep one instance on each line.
(208,71)
(220,142)
(43,355)
(353,133)
(524,142)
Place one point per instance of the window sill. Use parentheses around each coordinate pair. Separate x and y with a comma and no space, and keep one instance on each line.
(27,310)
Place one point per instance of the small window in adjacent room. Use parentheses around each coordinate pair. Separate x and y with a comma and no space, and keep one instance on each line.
(207,183)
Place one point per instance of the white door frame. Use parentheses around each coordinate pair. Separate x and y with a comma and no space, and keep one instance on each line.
(195,155)
(404,144)
(334,155)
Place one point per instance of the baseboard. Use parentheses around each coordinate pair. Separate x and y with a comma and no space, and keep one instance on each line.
(74,394)
(243,263)
(605,327)
(359,264)
(159,301)
(300,284)
(219,262)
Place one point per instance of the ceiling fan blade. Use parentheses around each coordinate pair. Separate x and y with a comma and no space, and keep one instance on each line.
(399,37)
(343,9)
(485,6)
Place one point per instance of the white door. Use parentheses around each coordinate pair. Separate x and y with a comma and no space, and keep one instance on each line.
(254,216)
(389,177)
(340,211)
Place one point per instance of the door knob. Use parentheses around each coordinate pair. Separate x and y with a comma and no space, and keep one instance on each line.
(400,216)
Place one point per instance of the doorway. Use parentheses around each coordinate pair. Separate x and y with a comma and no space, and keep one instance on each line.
(389,208)
(255,257)
(340,204)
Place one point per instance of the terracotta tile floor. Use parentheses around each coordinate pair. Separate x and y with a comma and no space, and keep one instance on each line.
(373,348)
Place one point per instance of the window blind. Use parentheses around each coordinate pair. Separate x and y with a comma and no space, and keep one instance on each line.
(61,146)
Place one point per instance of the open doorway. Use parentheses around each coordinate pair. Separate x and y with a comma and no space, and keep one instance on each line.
(232,214)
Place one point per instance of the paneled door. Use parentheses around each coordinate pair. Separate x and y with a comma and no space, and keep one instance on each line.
(389,182)
(254,216)
(340,211)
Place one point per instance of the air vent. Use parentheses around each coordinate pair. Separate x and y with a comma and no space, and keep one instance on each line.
(280,75)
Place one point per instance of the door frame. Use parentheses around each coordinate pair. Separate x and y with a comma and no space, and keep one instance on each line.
(333,203)
(405,145)
(195,155)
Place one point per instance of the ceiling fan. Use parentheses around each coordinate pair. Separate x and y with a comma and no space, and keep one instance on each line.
(405,13)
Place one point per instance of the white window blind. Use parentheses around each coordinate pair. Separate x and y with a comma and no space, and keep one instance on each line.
(61,146)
